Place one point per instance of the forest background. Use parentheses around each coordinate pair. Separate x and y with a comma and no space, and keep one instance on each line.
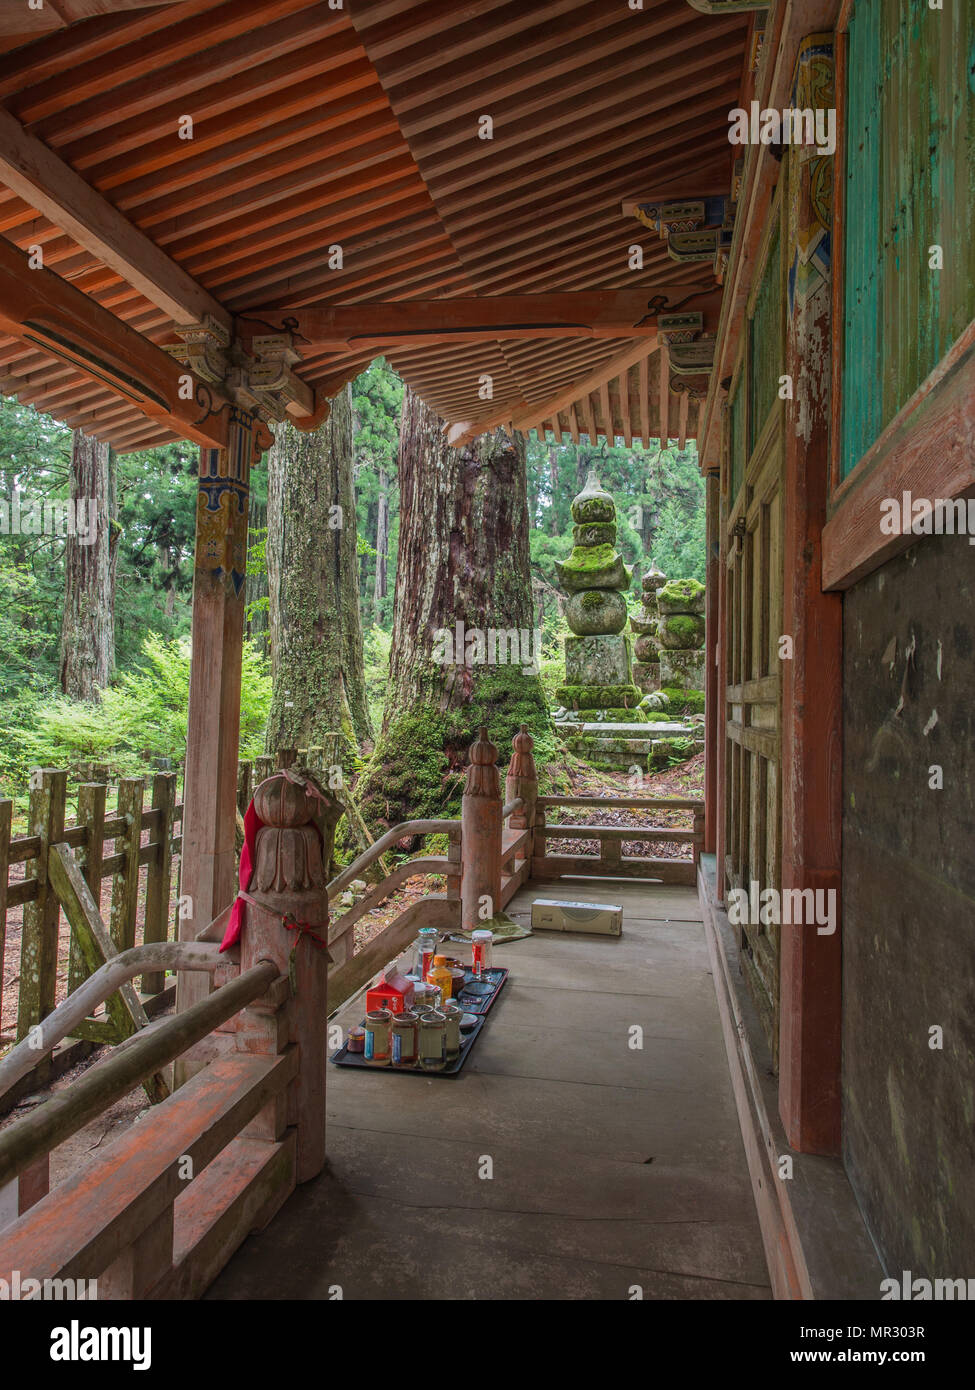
(137,717)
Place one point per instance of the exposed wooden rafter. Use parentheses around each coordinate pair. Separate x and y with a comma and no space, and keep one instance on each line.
(40,308)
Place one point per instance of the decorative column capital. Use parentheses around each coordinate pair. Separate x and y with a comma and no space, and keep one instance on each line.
(482,774)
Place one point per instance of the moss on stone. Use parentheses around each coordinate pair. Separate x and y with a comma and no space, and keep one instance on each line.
(595,533)
(684,701)
(681,631)
(417,769)
(681,596)
(598,696)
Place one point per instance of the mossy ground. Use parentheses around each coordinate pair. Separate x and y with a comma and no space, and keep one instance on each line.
(417,770)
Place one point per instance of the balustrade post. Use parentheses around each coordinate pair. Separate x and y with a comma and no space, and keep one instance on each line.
(480,821)
(286,921)
(522,781)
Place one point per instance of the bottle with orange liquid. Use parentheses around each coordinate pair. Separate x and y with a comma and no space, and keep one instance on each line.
(439,974)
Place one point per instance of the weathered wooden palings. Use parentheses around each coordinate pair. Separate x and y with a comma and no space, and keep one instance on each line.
(97,948)
(37,983)
(610,861)
(69,1110)
(95,990)
(39,943)
(627,803)
(619,833)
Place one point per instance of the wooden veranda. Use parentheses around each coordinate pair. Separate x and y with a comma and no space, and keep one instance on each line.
(214,214)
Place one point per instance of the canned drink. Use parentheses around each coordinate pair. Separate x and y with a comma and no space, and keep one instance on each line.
(378,1025)
(404,1039)
(452,1017)
(432,1046)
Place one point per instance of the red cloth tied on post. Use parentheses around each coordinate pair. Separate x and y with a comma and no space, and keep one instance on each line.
(252,824)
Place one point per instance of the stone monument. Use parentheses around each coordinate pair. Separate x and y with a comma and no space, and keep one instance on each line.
(598,663)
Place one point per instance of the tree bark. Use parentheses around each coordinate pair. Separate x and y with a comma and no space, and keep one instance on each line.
(382,544)
(87,626)
(463,558)
(316,633)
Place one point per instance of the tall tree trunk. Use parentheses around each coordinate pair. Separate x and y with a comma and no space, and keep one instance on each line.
(382,543)
(553,474)
(255,585)
(87,626)
(316,633)
(463,558)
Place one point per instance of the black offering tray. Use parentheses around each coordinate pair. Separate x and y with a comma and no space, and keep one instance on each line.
(476,1003)
(345,1058)
(477,996)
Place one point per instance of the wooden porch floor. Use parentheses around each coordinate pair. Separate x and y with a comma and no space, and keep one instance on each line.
(612,1167)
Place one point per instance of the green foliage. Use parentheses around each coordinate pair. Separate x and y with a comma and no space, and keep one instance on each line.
(376,645)
(141,718)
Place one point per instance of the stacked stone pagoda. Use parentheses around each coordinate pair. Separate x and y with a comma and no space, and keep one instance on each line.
(598,662)
(680,634)
(646,668)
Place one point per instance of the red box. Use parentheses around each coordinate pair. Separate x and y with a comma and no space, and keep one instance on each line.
(392,991)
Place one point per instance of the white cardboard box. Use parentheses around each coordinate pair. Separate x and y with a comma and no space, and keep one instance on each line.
(551,914)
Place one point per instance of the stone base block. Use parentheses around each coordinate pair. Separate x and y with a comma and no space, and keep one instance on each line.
(683,670)
(598,660)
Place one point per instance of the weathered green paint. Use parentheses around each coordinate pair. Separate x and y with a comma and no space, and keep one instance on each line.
(765,340)
(738,438)
(910,150)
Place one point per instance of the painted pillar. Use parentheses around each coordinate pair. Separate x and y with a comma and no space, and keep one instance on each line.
(810,1019)
(480,828)
(208,880)
(712,574)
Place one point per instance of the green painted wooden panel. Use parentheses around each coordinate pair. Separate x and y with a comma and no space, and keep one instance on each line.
(738,438)
(765,342)
(910,185)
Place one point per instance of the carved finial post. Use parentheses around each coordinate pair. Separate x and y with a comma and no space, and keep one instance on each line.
(287,922)
(522,779)
(480,821)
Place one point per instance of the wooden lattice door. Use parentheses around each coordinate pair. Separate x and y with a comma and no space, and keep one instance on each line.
(753,696)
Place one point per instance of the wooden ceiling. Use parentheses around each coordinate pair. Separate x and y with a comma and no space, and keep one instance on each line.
(358,127)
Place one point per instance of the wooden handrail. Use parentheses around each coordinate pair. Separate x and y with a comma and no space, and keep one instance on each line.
(67,1111)
(511,807)
(625,802)
(398,832)
(45,1036)
(616,832)
(425,864)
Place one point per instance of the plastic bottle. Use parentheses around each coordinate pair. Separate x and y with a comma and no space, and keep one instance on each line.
(440,976)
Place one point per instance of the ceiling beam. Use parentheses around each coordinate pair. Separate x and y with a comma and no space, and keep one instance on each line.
(18,19)
(35,173)
(523,415)
(422,322)
(40,308)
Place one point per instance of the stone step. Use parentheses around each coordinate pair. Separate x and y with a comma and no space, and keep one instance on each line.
(655,729)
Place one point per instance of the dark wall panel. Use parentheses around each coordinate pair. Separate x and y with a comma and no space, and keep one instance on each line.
(909,905)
